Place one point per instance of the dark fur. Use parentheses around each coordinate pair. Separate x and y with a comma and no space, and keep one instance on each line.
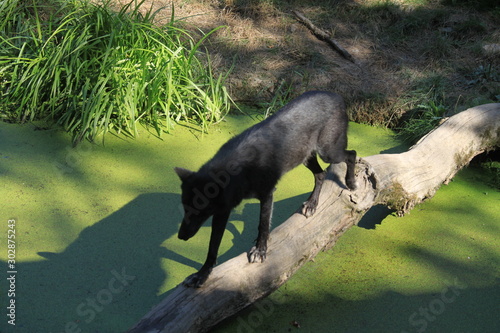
(250,164)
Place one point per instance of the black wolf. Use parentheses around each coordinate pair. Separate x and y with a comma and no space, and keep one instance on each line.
(250,164)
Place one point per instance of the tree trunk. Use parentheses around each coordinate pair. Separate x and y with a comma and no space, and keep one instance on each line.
(399,181)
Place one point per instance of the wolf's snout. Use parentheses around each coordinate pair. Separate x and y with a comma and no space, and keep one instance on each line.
(184,232)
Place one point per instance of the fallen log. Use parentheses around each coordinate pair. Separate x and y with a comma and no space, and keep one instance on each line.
(399,181)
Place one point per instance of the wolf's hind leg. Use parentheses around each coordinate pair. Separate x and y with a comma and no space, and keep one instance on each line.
(309,207)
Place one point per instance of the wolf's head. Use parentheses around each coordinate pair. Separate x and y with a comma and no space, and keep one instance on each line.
(199,194)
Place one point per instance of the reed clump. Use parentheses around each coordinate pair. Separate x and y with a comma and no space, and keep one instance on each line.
(93,70)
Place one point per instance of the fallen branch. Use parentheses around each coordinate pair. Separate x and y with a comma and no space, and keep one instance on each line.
(324,36)
(398,180)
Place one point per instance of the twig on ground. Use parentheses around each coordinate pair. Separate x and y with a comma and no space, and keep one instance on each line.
(324,36)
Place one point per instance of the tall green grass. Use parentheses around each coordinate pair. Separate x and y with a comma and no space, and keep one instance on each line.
(94,70)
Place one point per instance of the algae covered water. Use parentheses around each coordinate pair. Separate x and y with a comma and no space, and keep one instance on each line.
(96,244)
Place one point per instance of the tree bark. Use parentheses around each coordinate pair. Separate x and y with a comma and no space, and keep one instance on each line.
(399,181)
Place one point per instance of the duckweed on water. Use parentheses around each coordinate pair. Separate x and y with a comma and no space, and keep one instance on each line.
(85,213)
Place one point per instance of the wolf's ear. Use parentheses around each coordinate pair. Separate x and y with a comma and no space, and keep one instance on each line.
(183,173)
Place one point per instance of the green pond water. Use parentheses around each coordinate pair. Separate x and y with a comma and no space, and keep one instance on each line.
(96,245)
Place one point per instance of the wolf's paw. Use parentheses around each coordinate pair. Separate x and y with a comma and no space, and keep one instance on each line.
(309,208)
(196,280)
(256,255)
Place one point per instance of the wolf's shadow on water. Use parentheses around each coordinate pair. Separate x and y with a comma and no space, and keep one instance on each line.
(108,275)
(111,274)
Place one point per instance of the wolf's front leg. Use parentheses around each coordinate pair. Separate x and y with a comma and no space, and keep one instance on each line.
(350,160)
(219,222)
(309,207)
(258,252)
(197,279)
